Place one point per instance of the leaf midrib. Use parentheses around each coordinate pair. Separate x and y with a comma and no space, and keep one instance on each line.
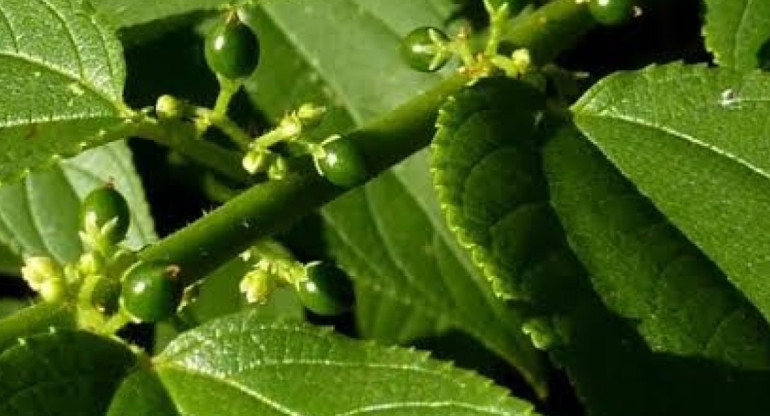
(679,135)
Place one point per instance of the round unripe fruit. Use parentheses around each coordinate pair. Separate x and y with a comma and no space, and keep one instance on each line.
(612,12)
(342,164)
(421,49)
(105,296)
(102,206)
(151,291)
(325,290)
(232,49)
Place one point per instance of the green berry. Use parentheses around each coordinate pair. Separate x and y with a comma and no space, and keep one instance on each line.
(424,49)
(106,295)
(341,163)
(325,290)
(612,12)
(102,206)
(151,291)
(232,49)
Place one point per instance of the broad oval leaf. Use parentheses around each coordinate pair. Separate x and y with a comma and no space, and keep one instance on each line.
(73,373)
(738,32)
(39,215)
(270,368)
(695,141)
(644,269)
(61,83)
(412,279)
(484,156)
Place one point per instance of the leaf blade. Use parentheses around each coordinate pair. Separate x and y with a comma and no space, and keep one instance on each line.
(715,187)
(738,32)
(61,83)
(279,363)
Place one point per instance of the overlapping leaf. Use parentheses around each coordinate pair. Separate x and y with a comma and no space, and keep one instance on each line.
(412,279)
(61,83)
(242,365)
(484,156)
(738,32)
(39,215)
(694,140)
(74,373)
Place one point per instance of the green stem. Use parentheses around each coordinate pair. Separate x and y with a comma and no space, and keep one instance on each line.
(550,29)
(269,207)
(182,137)
(272,206)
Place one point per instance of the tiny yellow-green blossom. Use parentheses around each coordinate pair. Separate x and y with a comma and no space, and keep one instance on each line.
(44,276)
(257,285)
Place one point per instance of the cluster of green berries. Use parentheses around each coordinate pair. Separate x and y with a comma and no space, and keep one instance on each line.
(148,291)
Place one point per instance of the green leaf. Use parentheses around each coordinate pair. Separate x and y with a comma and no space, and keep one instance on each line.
(265,368)
(39,216)
(484,144)
(137,12)
(613,369)
(412,279)
(694,140)
(738,32)
(142,394)
(327,51)
(33,320)
(8,306)
(644,269)
(61,83)
(73,373)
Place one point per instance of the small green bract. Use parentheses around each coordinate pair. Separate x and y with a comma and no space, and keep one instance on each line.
(103,205)
(342,164)
(325,290)
(612,12)
(151,291)
(232,49)
(423,49)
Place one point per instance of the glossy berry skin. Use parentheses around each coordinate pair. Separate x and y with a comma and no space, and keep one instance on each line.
(418,49)
(325,290)
(612,12)
(105,204)
(151,291)
(105,296)
(342,164)
(232,49)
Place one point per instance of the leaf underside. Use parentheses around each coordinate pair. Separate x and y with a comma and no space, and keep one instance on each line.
(483,158)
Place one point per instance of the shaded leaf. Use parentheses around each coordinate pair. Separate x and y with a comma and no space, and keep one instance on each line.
(694,140)
(483,158)
(141,394)
(61,83)
(644,269)
(412,279)
(39,215)
(339,53)
(73,373)
(33,320)
(242,362)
